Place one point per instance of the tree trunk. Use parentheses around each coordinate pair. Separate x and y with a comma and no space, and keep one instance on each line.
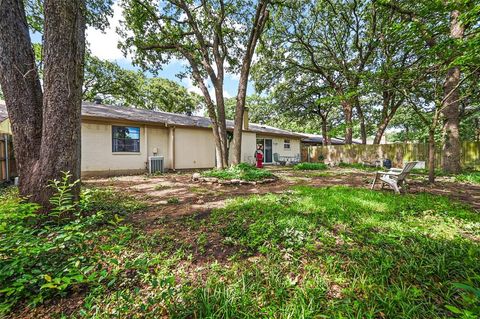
(63,50)
(387,115)
(431,156)
(22,90)
(261,17)
(239,113)
(450,107)
(46,130)
(361,117)
(222,126)
(477,130)
(216,136)
(326,139)
(380,131)
(347,111)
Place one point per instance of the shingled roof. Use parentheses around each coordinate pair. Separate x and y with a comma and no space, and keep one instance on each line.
(318,139)
(111,112)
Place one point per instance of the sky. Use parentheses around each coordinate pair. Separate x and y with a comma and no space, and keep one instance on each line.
(104,46)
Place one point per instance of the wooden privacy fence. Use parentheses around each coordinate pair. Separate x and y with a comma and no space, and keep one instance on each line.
(397,153)
(7,161)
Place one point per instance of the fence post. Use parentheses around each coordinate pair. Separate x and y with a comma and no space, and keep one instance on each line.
(7,159)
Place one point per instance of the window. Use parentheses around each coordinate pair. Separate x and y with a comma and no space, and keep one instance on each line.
(125,139)
(286,144)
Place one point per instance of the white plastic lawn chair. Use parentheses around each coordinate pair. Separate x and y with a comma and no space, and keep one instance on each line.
(395,177)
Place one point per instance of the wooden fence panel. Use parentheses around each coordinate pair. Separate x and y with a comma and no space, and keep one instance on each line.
(397,153)
(10,170)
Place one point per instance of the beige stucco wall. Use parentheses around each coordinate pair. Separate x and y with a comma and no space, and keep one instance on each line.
(194,148)
(97,155)
(157,138)
(277,145)
(5,127)
(249,144)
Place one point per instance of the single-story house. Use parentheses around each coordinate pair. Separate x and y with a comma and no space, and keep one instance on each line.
(119,140)
(317,140)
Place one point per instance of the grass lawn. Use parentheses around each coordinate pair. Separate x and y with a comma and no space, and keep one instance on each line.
(306,253)
(470,177)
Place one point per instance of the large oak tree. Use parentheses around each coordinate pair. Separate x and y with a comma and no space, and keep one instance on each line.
(334,40)
(449,32)
(213,36)
(45,120)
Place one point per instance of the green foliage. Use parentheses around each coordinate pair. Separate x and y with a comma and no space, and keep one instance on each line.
(40,259)
(116,85)
(311,166)
(241,171)
(62,201)
(98,13)
(345,252)
(309,252)
(470,298)
(470,177)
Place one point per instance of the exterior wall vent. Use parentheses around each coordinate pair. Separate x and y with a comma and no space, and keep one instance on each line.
(155,164)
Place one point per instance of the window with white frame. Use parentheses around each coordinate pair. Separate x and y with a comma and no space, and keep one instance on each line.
(286,144)
(125,139)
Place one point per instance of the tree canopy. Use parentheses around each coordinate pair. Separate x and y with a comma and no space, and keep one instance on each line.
(115,85)
(214,37)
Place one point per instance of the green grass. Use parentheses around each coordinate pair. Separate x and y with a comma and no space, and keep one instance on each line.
(424,171)
(241,171)
(359,166)
(310,166)
(382,254)
(333,252)
(470,177)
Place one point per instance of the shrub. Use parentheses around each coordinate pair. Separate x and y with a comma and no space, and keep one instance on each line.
(50,254)
(241,171)
(311,166)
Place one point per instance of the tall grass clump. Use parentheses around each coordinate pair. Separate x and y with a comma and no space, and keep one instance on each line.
(310,166)
(242,171)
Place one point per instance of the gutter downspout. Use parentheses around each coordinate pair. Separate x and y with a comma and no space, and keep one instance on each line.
(174,146)
(171,148)
(7,166)
(146,145)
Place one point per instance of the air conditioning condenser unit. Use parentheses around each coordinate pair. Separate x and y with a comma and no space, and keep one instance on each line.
(155,164)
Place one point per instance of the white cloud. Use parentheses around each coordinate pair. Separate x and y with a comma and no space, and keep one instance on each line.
(104,44)
(195,89)
(190,86)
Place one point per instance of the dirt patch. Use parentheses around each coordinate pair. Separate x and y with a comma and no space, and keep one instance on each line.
(52,309)
(175,195)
